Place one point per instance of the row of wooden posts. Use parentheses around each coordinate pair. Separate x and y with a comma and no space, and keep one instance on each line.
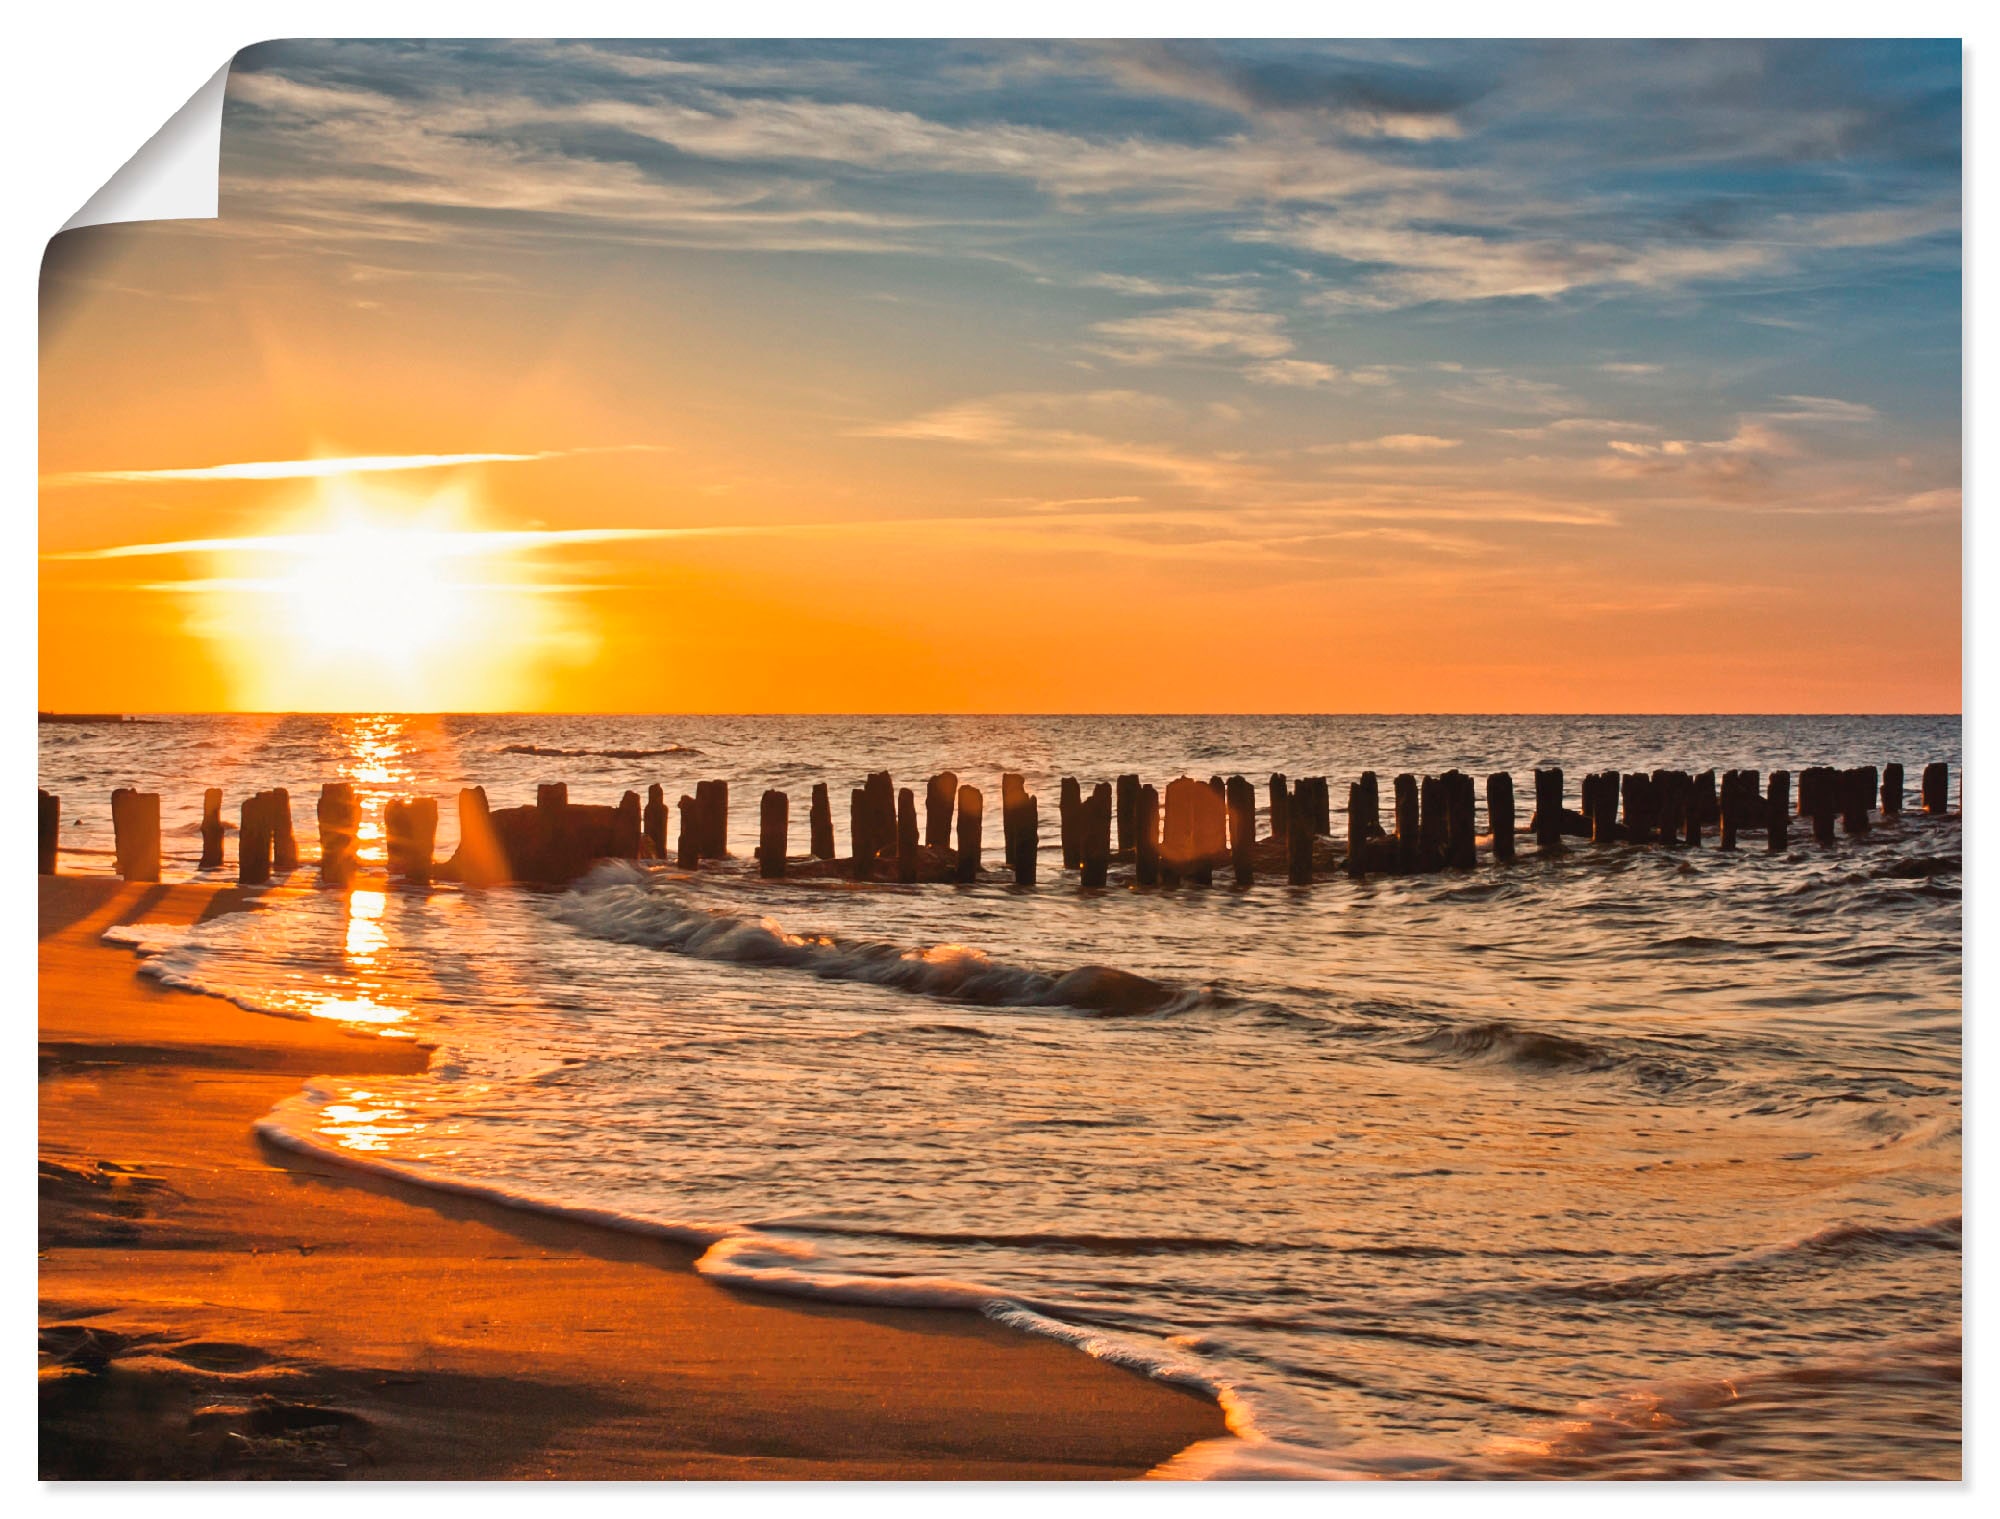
(1182,834)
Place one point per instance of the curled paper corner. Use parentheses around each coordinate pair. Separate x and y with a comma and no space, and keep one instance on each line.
(175,176)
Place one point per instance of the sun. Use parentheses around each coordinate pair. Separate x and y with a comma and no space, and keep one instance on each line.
(368,590)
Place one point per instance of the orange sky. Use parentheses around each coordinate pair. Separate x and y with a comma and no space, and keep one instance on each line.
(885,481)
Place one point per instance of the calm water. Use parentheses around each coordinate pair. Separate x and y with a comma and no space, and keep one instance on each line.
(1626,1163)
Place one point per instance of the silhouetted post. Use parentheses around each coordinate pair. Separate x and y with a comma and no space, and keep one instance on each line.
(1146,837)
(409,829)
(1824,805)
(713,798)
(1299,841)
(1857,795)
(339,833)
(253,840)
(1371,806)
(1433,826)
(1892,790)
(1706,808)
(1357,832)
(1242,800)
(48,829)
(971,823)
(1177,830)
(1013,801)
(938,798)
(1604,797)
(1548,810)
(1030,844)
(1500,814)
(820,822)
(1128,812)
(395,834)
(881,794)
(1732,811)
(774,834)
(211,829)
(860,833)
(480,859)
(1673,793)
(1408,823)
(1281,807)
(1778,812)
(1068,824)
(1322,808)
(1461,850)
(551,797)
(688,852)
(628,841)
(1095,818)
(906,836)
(1211,831)
(135,832)
(284,843)
(1937,787)
(656,819)
(1638,790)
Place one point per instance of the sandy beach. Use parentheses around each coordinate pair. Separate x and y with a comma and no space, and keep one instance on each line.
(213,1307)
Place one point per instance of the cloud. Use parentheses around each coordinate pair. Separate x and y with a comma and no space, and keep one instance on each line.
(1194,331)
(1822,409)
(1395,443)
(1300,372)
(316,469)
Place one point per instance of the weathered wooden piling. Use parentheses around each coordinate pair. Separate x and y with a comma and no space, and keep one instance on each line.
(1500,814)
(1299,841)
(339,816)
(1892,790)
(48,830)
(861,834)
(1128,812)
(1357,834)
(1732,810)
(1824,801)
(628,831)
(1604,797)
(1856,792)
(1242,802)
(1937,788)
(1029,846)
(1673,796)
(1281,807)
(687,853)
(1095,820)
(1319,807)
(284,843)
(1368,793)
(1548,810)
(211,829)
(655,820)
(409,833)
(1177,830)
(1069,806)
(1013,803)
(712,797)
(1146,837)
(906,836)
(253,840)
(135,832)
(1433,823)
(1778,812)
(774,834)
(1640,812)
(971,823)
(820,822)
(1706,807)
(481,860)
(551,797)
(939,795)
(1211,831)
(1461,846)
(1409,821)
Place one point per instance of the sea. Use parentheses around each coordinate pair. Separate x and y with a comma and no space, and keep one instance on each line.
(1617,1162)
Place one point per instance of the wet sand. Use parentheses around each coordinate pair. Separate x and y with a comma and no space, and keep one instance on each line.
(213,1306)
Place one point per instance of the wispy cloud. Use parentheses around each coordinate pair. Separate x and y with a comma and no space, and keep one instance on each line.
(315,469)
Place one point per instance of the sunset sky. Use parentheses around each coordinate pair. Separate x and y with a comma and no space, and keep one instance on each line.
(1025,377)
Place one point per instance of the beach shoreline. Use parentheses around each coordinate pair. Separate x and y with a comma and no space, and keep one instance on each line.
(212,1305)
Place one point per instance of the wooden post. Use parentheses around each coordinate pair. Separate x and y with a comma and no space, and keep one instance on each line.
(284,843)
(881,794)
(1095,817)
(1146,837)
(1242,801)
(713,798)
(1029,847)
(1408,824)
(481,861)
(688,852)
(339,833)
(1604,798)
(412,854)
(1433,823)
(1548,810)
(1322,808)
(253,840)
(820,822)
(1638,793)
(1210,810)
(1013,799)
(971,823)
(1857,795)
(861,834)
(1500,814)
(656,819)
(1128,812)
(395,835)
(1177,830)
(1824,804)
(774,834)
(1069,824)
(938,798)
(1357,832)
(1299,841)
(1937,788)
(1461,850)
(1732,810)
(1673,793)
(48,830)
(1778,812)
(135,832)
(906,836)
(551,797)
(628,842)
(211,829)
(1892,790)
(1281,807)
(1370,796)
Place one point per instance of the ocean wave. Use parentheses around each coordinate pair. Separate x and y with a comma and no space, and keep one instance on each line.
(541,751)
(616,904)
